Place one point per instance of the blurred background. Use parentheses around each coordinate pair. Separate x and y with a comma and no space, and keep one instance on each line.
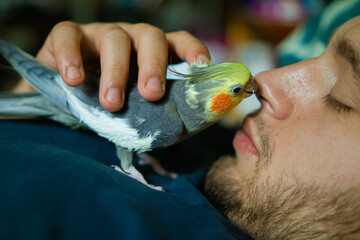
(245,31)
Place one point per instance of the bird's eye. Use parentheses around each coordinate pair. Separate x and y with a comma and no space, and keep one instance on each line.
(236,89)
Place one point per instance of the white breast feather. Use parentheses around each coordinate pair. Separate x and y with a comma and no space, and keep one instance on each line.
(117,130)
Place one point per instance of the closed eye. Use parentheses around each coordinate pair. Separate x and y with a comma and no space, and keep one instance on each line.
(336,105)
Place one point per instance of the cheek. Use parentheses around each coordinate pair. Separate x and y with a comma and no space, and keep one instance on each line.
(317,147)
(221,103)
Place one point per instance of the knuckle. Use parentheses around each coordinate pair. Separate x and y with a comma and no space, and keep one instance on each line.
(156,65)
(65,25)
(145,27)
(93,26)
(114,31)
(142,26)
(154,68)
(66,47)
(63,45)
(184,34)
(118,72)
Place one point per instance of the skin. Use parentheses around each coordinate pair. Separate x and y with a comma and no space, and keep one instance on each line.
(310,137)
(302,139)
(70,46)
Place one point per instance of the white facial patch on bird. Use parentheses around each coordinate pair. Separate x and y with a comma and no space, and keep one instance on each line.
(191,96)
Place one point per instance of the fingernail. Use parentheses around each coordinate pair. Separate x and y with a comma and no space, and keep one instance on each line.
(73,72)
(114,95)
(203,58)
(154,85)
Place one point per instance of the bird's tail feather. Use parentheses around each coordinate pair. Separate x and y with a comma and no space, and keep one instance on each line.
(34,105)
(25,104)
(43,79)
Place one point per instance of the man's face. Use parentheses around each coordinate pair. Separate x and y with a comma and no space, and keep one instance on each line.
(298,160)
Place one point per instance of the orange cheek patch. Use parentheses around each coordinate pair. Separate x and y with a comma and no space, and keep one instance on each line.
(221,102)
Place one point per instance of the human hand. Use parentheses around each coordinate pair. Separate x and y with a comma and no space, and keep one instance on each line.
(70,46)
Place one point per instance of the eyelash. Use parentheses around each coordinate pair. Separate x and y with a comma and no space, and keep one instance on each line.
(336,105)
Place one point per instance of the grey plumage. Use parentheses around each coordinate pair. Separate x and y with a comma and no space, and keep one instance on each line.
(140,125)
(158,121)
(49,84)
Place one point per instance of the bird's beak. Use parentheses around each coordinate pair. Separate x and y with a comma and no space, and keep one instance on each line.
(250,87)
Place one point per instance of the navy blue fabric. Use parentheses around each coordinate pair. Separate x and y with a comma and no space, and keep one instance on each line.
(56,183)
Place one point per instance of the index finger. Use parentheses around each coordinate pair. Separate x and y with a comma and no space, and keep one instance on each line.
(187,47)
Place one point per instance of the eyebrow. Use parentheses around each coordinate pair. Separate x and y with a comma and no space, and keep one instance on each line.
(345,49)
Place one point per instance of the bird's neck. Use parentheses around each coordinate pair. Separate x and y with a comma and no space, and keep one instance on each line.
(190,114)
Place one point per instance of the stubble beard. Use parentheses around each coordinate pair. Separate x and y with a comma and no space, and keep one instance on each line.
(237,198)
(283,206)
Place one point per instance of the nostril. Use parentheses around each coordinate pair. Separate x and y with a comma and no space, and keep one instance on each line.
(266,105)
(264,98)
(261,99)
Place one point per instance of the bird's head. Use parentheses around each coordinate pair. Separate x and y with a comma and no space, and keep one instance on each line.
(217,89)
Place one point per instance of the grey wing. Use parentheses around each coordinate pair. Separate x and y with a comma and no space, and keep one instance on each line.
(88,92)
(160,120)
(49,82)
(84,100)
(171,126)
(45,80)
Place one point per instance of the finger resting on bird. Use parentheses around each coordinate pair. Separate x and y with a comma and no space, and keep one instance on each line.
(152,56)
(115,60)
(65,47)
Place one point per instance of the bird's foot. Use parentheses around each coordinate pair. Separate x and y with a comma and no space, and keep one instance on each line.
(147,159)
(134,173)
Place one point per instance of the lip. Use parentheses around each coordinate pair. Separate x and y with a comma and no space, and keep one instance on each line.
(243,140)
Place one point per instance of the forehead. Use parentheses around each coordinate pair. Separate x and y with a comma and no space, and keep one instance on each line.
(351,29)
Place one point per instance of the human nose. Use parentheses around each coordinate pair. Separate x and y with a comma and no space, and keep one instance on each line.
(273,93)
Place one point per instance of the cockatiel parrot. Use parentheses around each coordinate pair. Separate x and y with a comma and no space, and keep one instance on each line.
(202,97)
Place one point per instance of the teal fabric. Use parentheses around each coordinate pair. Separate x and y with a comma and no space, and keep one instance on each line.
(310,39)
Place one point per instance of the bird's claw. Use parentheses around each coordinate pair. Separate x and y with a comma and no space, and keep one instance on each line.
(135,174)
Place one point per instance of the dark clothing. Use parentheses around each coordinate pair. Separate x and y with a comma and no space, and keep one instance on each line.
(56,183)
